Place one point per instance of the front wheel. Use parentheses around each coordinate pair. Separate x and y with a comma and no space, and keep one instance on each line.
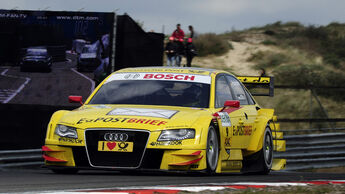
(212,150)
(266,155)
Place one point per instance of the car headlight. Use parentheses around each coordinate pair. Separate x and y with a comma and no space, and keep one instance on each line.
(176,134)
(66,131)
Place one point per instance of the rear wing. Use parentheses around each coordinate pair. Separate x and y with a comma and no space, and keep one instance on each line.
(258,86)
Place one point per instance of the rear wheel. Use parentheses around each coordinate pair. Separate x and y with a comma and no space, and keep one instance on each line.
(266,155)
(212,150)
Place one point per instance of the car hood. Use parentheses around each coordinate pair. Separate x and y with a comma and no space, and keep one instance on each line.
(133,117)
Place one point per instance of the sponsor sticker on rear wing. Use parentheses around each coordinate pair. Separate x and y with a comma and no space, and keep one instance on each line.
(258,86)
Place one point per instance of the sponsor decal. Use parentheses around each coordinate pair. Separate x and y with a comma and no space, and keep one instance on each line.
(159,113)
(197,71)
(115,146)
(254,79)
(122,120)
(225,119)
(161,76)
(164,143)
(233,164)
(227,142)
(169,76)
(242,130)
(194,166)
(228,152)
(70,140)
(169,70)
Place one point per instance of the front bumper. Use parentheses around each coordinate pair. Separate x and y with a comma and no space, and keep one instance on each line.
(153,159)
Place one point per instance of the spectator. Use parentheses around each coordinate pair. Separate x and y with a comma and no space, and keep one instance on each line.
(192,33)
(180,51)
(178,33)
(170,50)
(190,52)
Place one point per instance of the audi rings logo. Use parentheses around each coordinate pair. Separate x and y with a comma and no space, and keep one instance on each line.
(115,137)
(132,76)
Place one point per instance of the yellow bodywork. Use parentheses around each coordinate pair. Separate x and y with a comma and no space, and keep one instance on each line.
(243,138)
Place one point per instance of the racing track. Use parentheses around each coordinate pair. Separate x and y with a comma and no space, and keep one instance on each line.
(44,88)
(40,180)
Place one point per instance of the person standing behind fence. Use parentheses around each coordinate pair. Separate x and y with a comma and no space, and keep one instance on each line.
(180,51)
(170,50)
(190,52)
(178,33)
(192,33)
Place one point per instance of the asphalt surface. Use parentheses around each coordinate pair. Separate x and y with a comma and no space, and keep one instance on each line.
(46,88)
(40,180)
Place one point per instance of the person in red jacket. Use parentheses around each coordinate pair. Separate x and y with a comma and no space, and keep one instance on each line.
(178,33)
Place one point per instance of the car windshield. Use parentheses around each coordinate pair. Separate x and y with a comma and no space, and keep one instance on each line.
(88,49)
(153,92)
(36,52)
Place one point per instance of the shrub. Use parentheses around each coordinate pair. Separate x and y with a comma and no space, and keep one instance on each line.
(299,75)
(268,59)
(269,42)
(210,43)
(307,75)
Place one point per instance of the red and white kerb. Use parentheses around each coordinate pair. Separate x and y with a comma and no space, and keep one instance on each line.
(161,76)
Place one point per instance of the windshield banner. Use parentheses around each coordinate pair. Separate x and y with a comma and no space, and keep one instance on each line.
(161,76)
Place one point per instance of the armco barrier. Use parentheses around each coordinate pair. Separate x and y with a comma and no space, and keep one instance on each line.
(21,158)
(314,151)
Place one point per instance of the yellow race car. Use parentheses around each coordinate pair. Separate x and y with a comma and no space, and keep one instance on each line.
(169,119)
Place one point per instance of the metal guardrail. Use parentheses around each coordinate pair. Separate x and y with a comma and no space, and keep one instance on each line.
(308,131)
(21,158)
(322,150)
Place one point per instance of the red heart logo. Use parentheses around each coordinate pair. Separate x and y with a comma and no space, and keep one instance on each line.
(111,145)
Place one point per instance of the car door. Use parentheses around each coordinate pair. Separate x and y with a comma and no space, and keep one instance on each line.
(249,111)
(231,119)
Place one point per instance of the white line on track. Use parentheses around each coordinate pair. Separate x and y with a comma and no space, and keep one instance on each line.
(13,93)
(84,76)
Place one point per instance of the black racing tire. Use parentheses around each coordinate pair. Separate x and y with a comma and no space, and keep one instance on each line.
(65,171)
(266,155)
(212,150)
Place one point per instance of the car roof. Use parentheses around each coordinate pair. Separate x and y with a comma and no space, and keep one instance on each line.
(161,69)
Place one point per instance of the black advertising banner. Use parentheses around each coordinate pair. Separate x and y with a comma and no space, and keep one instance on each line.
(45,56)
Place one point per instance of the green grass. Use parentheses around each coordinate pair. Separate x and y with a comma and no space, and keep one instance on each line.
(210,43)
(298,55)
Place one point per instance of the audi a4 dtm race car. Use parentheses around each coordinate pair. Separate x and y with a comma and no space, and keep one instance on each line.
(170,119)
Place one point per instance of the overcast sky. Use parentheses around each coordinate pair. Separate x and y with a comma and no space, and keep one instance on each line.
(205,15)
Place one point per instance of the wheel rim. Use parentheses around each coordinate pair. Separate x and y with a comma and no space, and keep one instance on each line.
(212,149)
(268,149)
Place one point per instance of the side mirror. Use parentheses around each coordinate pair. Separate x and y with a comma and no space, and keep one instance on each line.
(232,103)
(75,99)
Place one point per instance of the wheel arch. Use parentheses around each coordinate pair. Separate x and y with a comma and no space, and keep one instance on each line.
(264,118)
